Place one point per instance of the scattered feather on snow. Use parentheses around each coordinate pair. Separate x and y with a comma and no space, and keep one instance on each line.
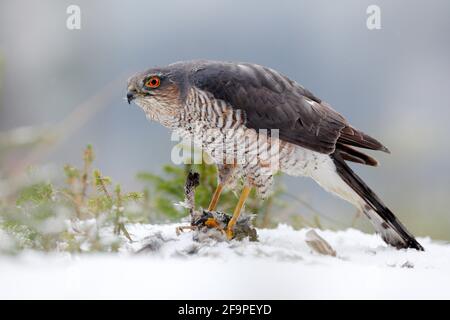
(319,244)
(280,265)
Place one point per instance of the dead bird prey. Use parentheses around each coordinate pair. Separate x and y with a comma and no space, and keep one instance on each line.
(226,104)
(211,224)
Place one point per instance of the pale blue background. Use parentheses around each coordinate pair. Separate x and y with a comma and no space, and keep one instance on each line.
(393,83)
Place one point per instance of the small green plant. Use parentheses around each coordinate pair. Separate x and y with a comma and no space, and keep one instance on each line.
(167,190)
(87,212)
(72,217)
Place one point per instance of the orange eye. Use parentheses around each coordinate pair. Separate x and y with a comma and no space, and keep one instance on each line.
(153,82)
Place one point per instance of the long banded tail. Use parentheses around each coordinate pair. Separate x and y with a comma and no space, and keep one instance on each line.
(385,222)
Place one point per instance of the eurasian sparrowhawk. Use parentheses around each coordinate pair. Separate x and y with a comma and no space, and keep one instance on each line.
(226,105)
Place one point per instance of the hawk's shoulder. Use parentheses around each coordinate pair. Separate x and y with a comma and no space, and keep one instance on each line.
(271,101)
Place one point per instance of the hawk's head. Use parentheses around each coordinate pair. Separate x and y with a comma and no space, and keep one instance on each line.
(158,91)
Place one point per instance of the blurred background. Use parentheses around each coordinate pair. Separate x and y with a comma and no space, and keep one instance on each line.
(66,87)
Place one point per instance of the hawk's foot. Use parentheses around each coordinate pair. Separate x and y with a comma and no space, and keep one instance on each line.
(237,212)
(229,233)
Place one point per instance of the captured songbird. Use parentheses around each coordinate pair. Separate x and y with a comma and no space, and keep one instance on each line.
(227,105)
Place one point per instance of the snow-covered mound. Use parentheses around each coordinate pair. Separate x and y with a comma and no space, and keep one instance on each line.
(280,266)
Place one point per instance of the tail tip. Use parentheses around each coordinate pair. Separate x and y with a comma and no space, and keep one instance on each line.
(414,244)
(410,243)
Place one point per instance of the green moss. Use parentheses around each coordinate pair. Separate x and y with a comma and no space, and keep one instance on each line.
(89,212)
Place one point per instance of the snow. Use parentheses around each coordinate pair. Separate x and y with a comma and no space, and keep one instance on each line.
(279,266)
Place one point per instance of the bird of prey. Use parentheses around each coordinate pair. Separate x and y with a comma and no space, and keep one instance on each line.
(209,99)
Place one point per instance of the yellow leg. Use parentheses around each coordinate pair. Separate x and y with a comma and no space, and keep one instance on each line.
(237,211)
(215,199)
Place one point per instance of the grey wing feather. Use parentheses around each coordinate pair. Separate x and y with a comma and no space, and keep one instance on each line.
(273,101)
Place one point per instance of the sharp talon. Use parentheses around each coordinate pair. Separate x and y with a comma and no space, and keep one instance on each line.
(237,211)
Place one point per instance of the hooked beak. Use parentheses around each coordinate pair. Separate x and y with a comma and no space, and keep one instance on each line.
(130,96)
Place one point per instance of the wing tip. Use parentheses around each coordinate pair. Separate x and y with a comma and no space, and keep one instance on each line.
(357,138)
(385,149)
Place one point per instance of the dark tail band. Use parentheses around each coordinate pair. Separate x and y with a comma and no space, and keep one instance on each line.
(385,222)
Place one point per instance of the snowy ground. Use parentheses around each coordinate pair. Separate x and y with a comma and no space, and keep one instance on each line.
(279,266)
